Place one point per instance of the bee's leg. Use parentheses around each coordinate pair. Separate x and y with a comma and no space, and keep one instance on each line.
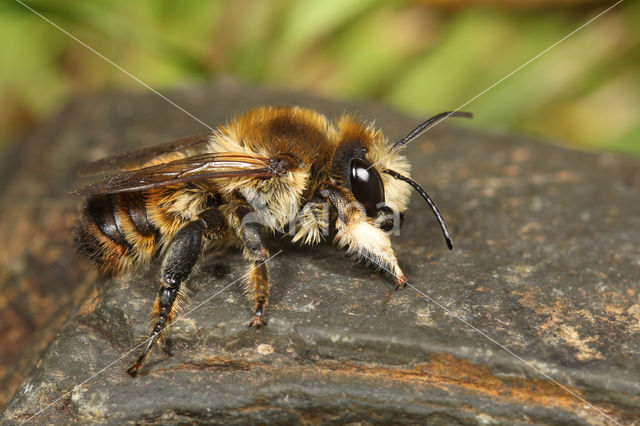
(360,236)
(250,233)
(259,281)
(182,253)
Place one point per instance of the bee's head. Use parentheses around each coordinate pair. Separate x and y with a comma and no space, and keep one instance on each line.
(376,173)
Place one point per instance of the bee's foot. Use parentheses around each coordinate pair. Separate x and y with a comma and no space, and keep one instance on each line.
(133,370)
(401,283)
(258,321)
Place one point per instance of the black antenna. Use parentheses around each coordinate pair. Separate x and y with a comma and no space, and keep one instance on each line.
(434,208)
(427,125)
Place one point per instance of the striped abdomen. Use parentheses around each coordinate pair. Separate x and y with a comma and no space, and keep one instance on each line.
(116,231)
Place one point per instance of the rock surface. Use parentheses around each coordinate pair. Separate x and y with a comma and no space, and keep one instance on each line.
(546,264)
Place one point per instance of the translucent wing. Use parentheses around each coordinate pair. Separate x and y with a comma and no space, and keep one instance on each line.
(136,158)
(190,169)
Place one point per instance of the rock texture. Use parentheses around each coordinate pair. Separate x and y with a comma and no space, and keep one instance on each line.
(546,264)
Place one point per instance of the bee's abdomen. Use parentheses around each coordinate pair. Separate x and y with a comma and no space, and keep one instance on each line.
(115,231)
(101,211)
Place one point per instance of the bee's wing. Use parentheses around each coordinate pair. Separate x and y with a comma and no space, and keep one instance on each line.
(189,169)
(136,158)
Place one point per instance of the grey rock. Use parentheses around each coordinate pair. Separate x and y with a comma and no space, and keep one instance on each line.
(543,278)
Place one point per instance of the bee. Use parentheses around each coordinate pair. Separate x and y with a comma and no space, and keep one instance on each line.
(268,170)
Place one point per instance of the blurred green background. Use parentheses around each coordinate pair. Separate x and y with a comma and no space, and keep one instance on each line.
(418,56)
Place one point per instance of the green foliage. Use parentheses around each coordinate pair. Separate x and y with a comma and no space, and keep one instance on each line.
(421,59)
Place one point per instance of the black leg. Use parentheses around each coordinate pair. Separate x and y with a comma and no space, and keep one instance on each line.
(182,253)
(250,234)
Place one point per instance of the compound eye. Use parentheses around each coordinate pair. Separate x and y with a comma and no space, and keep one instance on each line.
(366,185)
